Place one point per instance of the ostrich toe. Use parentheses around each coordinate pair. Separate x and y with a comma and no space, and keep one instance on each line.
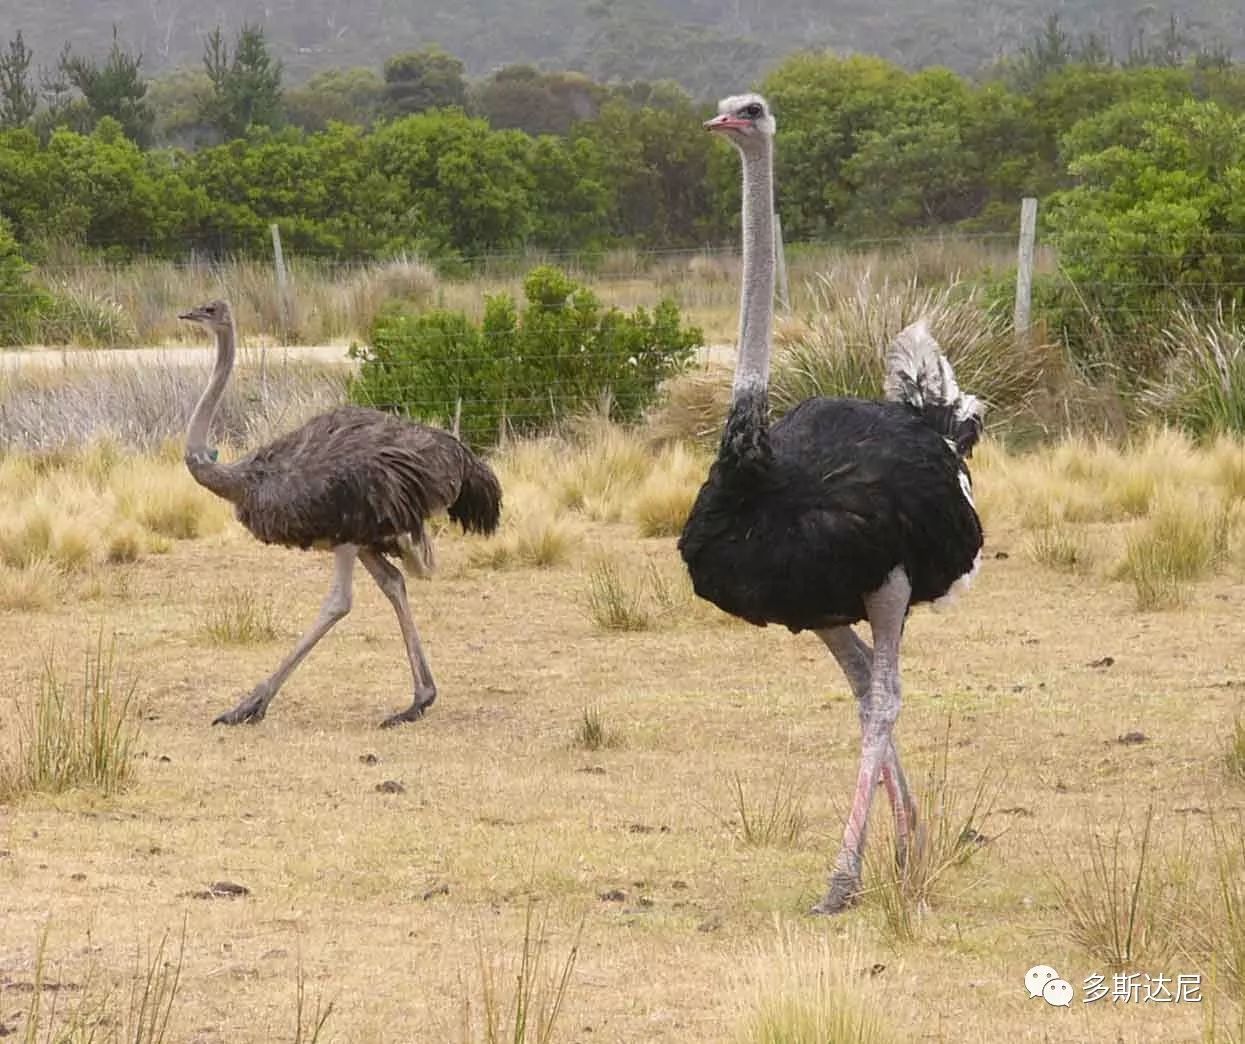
(844,892)
(251,709)
(424,698)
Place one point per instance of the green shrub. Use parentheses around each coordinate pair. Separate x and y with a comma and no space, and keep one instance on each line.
(20,300)
(525,368)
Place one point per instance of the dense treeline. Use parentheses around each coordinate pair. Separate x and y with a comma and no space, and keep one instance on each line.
(419,158)
(702,44)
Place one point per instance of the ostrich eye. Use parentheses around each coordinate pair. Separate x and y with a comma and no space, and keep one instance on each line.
(752,111)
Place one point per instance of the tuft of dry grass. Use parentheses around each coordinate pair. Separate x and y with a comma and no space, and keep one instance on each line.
(1182,540)
(592,733)
(1215,920)
(664,499)
(809,988)
(1062,547)
(74,734)
(840,348)
(692,407)
(518,997)
(1125,908)
(140,1014)
(616,598)
(775,818)
(533,533)
(167,501)
(238,616)
(34,585)
(1234,756)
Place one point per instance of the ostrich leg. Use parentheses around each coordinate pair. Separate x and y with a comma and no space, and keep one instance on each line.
(389,579)
(856,659)
(886,607)
(254,706)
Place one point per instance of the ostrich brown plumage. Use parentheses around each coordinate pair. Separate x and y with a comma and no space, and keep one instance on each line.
(358,482)
(841,511)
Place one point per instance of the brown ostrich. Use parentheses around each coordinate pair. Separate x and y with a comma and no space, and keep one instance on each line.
(355,481)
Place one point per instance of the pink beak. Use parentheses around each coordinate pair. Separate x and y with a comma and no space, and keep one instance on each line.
(725,122)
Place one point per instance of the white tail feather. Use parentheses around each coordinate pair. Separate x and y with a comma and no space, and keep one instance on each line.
(919,374)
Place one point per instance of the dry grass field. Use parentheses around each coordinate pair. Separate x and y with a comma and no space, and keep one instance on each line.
(617,772)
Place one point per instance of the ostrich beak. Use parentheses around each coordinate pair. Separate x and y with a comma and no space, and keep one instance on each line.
(194,315)
(725,122)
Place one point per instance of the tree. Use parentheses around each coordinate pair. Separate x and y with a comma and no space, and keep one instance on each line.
(246,88)
(420,80)
(335,95)
(116,89)
(17,94)
(177,101)
(1153,217)
(825,106)
(524,98)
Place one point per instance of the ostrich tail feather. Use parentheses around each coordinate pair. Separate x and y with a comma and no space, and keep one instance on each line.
(919,374)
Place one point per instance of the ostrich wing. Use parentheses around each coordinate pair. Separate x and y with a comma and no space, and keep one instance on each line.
(351,476)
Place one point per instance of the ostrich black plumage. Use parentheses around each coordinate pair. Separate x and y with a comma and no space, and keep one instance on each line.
(844,510)
(359,482)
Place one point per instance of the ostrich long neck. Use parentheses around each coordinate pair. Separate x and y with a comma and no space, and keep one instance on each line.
(745,441)
(756,307)
(200,459)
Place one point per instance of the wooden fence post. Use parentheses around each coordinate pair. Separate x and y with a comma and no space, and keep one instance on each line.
(780,260)
(1024,266)
(278,257)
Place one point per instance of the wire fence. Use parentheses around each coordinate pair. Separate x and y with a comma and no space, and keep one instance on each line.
(327,298)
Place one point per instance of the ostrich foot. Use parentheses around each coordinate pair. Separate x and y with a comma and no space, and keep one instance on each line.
(251,709)
(423,700)
(844,892)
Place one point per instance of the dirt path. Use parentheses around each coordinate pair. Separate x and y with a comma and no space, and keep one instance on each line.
(194,355)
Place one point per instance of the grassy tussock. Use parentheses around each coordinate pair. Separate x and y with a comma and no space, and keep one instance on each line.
(1202,388)
(623,595)
(140,1013)
(661,504)
(1234,756)
(1126,908)
(1159,512)
(773,817)
(238,616)
(1216,920)
(603,472)
(74,511)
(72,734)
(692,408)
(35,585)
(593,734)
(517,997)
(533,533)
(841,347)
(616,599)
(1063,547)
(810,988)
(1183,540)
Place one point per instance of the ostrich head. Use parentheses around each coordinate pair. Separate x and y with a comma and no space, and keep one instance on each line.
(745,120)
(214,315)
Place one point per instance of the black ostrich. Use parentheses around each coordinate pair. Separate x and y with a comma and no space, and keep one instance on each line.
(358,482)
(842,511)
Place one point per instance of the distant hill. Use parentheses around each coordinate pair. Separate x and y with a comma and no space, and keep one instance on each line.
(708,45)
